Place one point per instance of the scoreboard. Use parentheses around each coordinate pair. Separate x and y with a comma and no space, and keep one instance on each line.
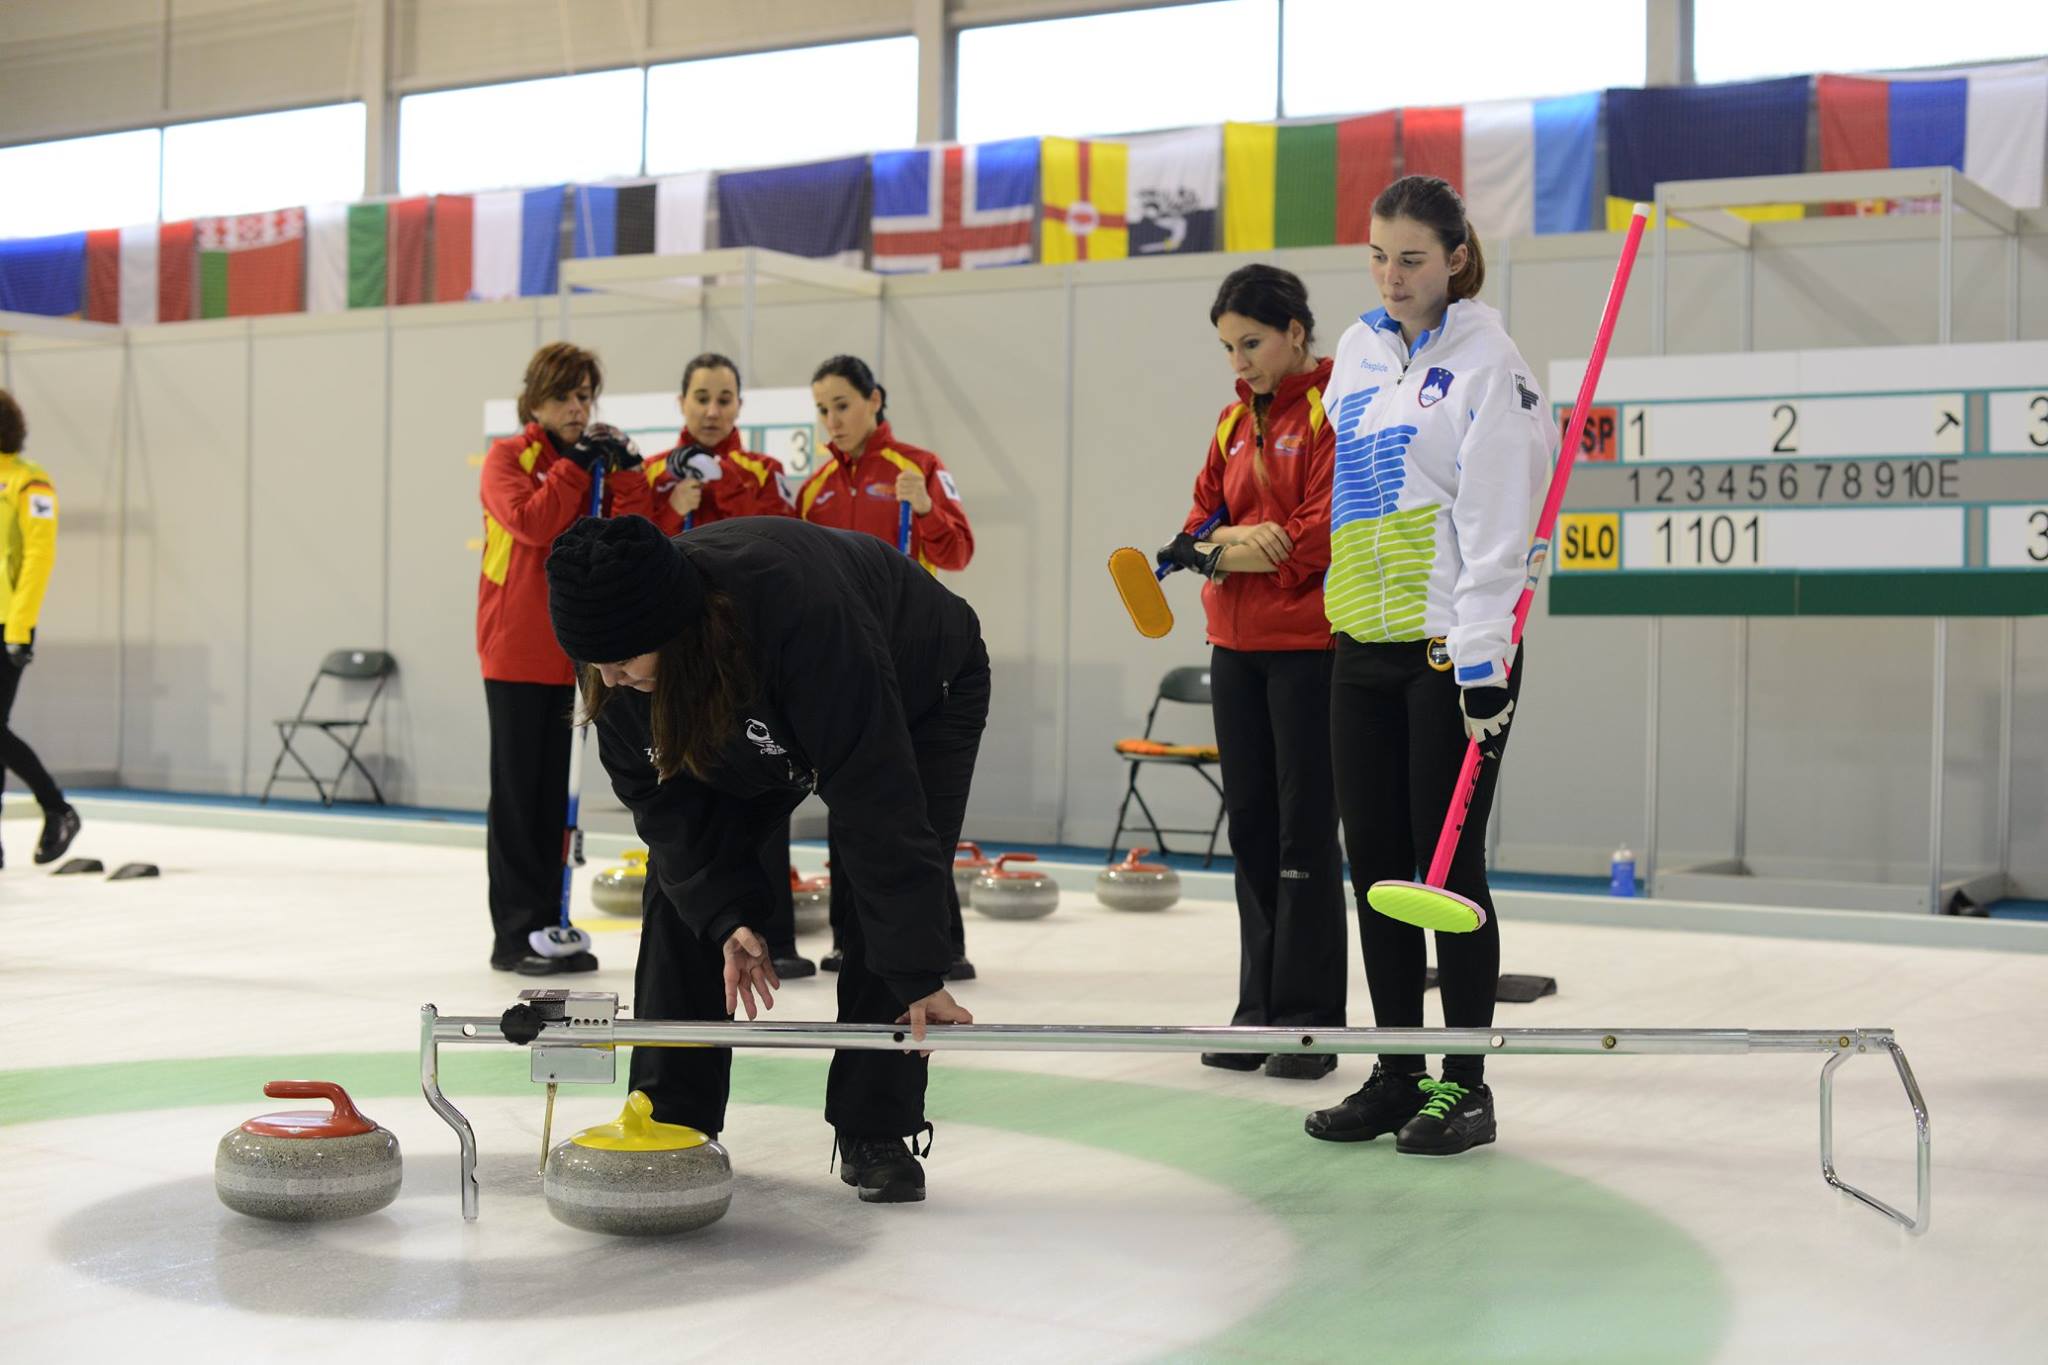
(1894,481)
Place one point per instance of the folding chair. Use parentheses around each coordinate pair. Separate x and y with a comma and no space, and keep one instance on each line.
(345,666)
(1189,687)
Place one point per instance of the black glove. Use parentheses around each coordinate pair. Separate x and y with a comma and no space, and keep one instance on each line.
(1182,554)
(1487,711)
(21,656)
(607,443)
(695,462)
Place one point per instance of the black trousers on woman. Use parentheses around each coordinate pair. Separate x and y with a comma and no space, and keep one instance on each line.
(1397,737)
(1272,710)
(679,976)
(15,755)
(529,808)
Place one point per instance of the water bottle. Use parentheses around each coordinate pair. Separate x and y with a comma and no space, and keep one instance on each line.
(1621,873)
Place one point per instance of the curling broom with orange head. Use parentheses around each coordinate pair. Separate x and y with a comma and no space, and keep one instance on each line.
(1139,584)
(1426,903)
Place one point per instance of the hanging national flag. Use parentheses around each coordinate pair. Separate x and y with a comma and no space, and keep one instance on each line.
(252,263)
(366,255)
(43,275)
(1304,184)
(1523,166)
(177,271)
(955,208)
(503,245)
(819,209)
(664,216)
(1990,124)
(1086,193)
(1703,132)
(123,279)
(1176,190)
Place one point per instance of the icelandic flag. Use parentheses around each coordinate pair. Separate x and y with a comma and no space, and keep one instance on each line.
(955,208)
(1991,124)
(1523,166)
(819,209)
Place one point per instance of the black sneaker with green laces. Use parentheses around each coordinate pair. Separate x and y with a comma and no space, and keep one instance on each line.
(1382,1105)
(1454,1119)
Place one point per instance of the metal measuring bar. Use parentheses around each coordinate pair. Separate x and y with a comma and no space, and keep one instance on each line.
(573,1036)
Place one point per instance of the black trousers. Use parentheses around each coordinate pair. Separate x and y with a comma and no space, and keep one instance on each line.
(1271,711)
(15,755)
(781,933)
(529,808)
(1397,738)
(679,976)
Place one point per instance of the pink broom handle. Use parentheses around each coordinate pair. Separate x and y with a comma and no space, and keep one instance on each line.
(1539,544)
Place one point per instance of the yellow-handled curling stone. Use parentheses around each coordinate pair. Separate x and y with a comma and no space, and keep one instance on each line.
(617,890)
(637,1177)
(305,1166)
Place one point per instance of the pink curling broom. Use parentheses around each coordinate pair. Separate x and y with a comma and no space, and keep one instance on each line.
(1427,904)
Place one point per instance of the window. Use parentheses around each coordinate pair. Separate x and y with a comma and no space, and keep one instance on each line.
(803,104)
(1735,40)
(1343,57)
(540,132)
(80,184)
(1120,73)
(264,161)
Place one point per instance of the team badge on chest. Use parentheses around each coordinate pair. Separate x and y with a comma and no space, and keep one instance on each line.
(1435,385)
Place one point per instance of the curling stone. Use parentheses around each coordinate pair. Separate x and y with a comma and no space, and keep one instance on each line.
(812,898)
(968,864)
(304,1165)
(637,1177)
(1025,893)
(616,890)
(1135,885)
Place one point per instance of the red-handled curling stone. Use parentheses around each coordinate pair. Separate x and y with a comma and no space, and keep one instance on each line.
(1004,892)
(968,864)
(1136,885)
(305,1165)
(812,899)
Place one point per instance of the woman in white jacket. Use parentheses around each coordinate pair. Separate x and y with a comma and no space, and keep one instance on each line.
(1444,446)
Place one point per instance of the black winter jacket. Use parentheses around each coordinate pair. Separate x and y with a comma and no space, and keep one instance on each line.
(851,643)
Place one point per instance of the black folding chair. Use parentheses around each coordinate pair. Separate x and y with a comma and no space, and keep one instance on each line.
(1189,687)
(349,668)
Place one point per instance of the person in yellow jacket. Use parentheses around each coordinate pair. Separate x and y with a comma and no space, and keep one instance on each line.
(28,550)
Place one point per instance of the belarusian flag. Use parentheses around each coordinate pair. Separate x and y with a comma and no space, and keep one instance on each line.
(252,263)
(497,246)
(366,255)
(139,275)
(1304,184)
(1085,194)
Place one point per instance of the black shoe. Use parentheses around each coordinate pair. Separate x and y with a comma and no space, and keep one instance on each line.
(60,827)
(1301,1066)
(533,964)
(961,970)
(1455,1119)
(795,968)
(1234,1061)
(1382,1105)
(830,961)
(884,1170)
(505,962)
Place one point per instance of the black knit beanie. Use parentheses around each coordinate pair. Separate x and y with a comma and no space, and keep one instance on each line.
(618,588)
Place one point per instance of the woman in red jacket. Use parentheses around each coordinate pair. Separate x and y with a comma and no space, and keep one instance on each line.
(1268,475)
(875,483)
(535,486)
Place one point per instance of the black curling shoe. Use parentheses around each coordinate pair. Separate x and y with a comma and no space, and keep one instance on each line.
(1234,1061)
(795,967)
(60,827)
(830,961)
(1384,1104)
(1454,1119)
(883,1169)
(533,964)
(1301,1066)
(961,970)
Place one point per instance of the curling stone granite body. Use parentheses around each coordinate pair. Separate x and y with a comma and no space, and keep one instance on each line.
(968,866)
(637,1177)
(812,900)
(1135,885)
(1003,893)
(308,1166)
(617,890)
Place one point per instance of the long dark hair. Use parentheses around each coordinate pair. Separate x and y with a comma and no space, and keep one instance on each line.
(1274,298)
(1434,204)
(703,679)
(855,371)
(710,360)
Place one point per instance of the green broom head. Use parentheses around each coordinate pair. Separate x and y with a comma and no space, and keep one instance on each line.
(1426,907)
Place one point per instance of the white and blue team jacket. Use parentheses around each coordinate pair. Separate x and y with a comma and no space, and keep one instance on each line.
(1444,452)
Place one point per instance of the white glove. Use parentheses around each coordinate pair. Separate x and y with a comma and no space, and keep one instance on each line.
(702,465)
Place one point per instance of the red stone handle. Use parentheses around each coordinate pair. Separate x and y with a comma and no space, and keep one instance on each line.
(971,847)
(344,1107)
(1131,860)
(1009,858)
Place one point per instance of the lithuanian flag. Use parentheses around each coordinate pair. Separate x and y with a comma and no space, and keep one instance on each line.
(1084,186)
(1303,184)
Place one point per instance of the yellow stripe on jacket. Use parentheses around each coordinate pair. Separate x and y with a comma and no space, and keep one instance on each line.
(28,514)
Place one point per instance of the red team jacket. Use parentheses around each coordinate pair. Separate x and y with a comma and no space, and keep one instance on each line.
(750,485)
(861,496)
(1283,610)
(531,494)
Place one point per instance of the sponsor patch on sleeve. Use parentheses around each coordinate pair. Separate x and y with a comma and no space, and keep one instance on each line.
(42,506)
(946,482)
